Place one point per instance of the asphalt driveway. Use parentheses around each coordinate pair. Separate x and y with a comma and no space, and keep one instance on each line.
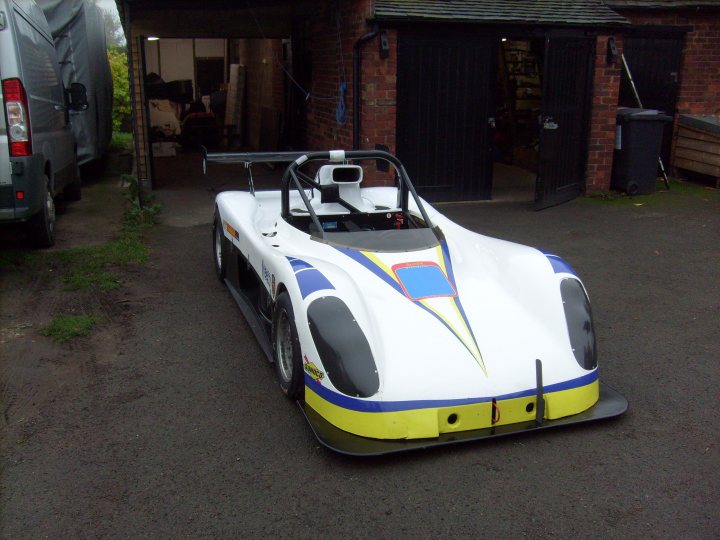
(175,427)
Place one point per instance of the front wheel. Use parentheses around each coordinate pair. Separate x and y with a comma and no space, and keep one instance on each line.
(286,349)
(41,227)
(219,248)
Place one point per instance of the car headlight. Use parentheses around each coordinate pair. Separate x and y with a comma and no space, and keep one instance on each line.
(343,348)
(578,317)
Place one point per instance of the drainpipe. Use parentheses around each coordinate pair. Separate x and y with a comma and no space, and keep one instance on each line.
(357,64)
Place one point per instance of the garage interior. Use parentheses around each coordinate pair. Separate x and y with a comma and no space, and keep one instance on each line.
(517,129)
(223,94)
(231,94)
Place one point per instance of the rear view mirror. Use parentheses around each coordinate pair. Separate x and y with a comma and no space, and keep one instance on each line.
(77,97)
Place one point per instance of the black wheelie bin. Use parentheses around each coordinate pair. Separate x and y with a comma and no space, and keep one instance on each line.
(638,140)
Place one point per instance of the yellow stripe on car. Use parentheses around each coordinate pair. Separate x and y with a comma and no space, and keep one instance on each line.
(430,422)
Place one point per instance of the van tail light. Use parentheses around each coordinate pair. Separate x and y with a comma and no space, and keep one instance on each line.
(17,117)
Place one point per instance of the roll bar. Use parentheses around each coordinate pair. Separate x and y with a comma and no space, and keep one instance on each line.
(293,175)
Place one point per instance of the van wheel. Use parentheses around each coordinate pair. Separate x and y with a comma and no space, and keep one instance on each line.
(41,227)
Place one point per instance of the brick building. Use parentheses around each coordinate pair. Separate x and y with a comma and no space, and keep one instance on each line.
(675,46)
(463,92)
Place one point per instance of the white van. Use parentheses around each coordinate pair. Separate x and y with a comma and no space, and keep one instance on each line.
(37,148)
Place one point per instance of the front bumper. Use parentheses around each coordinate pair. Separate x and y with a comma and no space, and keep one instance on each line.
(609,405)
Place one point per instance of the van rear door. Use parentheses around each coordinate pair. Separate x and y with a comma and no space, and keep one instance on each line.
(5,175)
(51,133)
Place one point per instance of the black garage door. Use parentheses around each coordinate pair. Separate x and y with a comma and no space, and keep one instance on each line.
(654,61)
(445,109)
(564,122)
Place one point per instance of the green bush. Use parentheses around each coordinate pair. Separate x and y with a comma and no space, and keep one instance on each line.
(121,142)
(122,112)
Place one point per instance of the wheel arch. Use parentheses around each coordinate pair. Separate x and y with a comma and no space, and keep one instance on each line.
(281,288)
(48,171)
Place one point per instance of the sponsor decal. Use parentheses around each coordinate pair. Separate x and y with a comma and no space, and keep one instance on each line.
(229,228)
(313,370)
(272,286)
(265,274)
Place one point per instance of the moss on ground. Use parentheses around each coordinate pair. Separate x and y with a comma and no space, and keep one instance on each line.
(65,327)
(679,192)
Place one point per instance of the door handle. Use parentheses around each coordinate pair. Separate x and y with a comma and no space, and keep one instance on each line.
(549,123)
(59,107)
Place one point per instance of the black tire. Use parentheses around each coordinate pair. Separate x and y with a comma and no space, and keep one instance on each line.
(41,227)
(286,349)
(220,249)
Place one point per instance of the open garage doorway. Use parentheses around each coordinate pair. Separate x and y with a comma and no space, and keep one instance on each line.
(223,94)
(543,117)
(482,116)
(517,130)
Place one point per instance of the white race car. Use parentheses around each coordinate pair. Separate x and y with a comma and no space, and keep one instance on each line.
(392,326)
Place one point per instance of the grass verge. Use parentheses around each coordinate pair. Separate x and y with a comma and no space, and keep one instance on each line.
(93,268)
(63,328)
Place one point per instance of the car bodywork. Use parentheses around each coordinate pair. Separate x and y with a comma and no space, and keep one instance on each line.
(412,331)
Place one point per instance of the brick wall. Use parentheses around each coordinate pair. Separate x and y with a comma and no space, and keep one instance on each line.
(332,61)
(379,86)
(699,91)
(700,65)
(606,87)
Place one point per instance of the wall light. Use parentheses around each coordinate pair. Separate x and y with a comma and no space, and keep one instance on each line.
(152,38)
(612,54)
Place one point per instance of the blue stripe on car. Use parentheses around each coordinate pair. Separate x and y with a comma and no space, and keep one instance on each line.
(367,263)
(370,265)
(560,266)
(451,277)
(362,405)
(309,278)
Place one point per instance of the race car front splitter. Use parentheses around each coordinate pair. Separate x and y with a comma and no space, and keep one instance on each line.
(610,404)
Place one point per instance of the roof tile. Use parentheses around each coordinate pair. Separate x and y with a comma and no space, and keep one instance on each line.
(572,12)
(663,4)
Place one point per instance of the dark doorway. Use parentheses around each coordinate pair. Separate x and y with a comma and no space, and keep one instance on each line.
(517,134)
(654,61)
(210,75)
(564,122)
(445,112)
(481,115)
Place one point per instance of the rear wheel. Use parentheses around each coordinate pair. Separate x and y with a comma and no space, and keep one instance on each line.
(286,349)
(41,227)
(219,247)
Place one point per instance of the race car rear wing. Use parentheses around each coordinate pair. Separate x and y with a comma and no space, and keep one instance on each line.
(248,158)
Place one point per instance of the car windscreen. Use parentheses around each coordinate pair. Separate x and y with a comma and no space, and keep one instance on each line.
(382,241)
